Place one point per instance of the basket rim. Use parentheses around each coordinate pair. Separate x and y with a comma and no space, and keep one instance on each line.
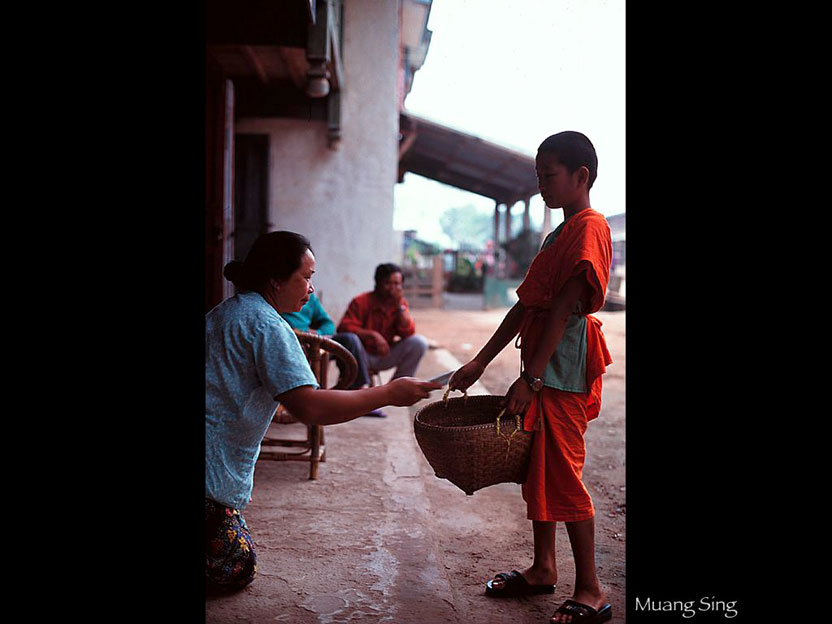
(477,398)
(465,427)
(480,398)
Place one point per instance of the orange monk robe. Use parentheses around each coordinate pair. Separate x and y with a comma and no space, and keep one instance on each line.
(553,489)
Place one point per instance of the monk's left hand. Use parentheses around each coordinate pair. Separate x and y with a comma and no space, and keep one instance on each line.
(518,398)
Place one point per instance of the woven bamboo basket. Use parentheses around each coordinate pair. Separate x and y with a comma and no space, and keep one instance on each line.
(472,443)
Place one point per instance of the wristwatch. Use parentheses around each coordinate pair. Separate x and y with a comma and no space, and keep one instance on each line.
(536,383)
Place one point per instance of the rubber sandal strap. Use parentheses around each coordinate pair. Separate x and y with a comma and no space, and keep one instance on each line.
(508,577)
(570,607)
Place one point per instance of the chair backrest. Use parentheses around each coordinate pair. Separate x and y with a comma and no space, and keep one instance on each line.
(318,350)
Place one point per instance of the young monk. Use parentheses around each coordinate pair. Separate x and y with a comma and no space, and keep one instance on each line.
(563,355)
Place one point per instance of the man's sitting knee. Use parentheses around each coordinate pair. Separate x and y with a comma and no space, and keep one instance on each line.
(417,342)
(347,338)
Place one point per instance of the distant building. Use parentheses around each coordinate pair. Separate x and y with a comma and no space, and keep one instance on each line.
(618,232)
(618,276)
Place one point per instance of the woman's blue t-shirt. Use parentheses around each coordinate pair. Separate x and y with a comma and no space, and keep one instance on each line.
(251,357)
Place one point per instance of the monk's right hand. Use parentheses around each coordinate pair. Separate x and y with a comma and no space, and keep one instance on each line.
(466,376)
(406,391)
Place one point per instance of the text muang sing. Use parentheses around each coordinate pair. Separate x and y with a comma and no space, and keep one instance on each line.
(689,608)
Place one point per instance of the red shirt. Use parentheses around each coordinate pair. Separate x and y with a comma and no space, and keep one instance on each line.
(366,311)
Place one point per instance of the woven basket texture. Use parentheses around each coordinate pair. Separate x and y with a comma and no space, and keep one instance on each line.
(461,443)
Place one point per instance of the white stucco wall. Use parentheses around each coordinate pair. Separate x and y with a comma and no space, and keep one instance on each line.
(342,200)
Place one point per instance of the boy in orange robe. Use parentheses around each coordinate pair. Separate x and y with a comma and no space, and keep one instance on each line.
(563,355)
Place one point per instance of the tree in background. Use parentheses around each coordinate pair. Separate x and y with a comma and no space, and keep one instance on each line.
(467,227)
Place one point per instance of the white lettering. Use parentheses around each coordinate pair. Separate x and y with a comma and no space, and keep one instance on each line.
(687,607)
(666,605)
(708,604)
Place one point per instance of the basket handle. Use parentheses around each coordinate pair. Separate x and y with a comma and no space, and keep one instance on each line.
(517,427)
(448,391)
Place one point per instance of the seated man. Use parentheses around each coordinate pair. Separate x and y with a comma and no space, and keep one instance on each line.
(383,323)
(313,318)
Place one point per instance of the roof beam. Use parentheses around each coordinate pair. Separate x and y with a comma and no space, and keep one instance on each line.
(251,56)
(465,161)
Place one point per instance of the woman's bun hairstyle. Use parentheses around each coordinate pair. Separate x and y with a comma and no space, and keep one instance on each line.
(234,271)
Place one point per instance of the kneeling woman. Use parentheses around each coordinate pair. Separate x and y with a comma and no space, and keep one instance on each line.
(253,362)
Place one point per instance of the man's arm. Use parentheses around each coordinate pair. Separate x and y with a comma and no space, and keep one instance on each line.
(405,325)
(353,321)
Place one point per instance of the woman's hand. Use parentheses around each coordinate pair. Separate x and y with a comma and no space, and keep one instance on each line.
(466,376)
(518,398)
(406,391)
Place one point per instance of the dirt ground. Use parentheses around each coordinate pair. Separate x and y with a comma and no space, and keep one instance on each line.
(488,532)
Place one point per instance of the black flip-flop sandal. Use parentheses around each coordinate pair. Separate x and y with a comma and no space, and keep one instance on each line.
(514,584)
(584,614)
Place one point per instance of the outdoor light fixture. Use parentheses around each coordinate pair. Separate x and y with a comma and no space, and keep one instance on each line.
(317,85)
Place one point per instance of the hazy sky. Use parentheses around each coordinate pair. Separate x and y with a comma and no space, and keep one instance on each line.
(514,72)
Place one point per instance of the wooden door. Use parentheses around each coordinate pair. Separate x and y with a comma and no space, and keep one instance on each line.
(219,211)
(251,170)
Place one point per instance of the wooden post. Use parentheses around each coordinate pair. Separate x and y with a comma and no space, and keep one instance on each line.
(437,282)
(496,224)
(527,222)
(508,222)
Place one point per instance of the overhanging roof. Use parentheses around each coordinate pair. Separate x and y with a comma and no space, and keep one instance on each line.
(465,161)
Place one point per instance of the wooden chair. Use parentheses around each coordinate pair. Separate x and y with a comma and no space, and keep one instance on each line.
(318,350)
(375,378)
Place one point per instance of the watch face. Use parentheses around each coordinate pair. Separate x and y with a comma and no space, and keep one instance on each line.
(536,383)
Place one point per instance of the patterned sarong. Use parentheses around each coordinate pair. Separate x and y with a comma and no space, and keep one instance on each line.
(230,562)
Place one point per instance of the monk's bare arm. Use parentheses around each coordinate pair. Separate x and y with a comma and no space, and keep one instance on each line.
(470,372)
(503,335)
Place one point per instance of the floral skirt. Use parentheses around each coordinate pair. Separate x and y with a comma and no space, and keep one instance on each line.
(230,562)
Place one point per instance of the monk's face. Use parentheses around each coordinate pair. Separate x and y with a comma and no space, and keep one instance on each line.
(558,187)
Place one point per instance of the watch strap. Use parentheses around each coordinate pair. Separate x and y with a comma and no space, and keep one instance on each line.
(532,381)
